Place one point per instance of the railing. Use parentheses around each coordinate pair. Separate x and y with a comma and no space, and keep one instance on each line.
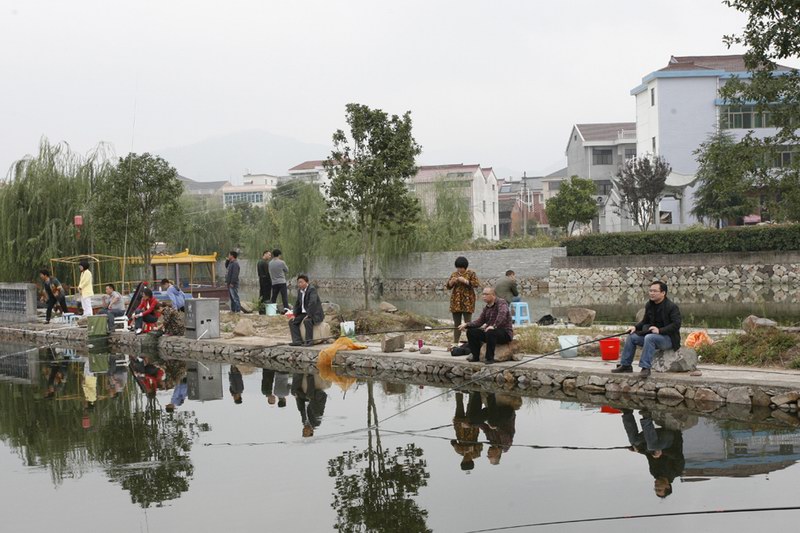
(626,134)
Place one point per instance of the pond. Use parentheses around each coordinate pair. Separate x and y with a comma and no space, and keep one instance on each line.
(708,307)
(122,462)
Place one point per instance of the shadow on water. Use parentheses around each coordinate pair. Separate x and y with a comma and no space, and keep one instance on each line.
(72,414)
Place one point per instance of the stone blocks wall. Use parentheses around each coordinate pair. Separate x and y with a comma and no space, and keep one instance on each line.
(17,302)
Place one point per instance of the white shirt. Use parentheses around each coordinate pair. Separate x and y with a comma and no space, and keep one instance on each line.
(303,301)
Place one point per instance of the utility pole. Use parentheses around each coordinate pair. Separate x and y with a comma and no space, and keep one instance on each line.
(526,202)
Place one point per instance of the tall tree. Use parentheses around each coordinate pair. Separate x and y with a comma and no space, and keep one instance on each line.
(368,169)
(574,204)
(640,184)
(140,202)
(726,176)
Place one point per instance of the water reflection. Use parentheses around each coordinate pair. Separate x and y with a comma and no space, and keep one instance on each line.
(275,386)
(309,394)
(662,447)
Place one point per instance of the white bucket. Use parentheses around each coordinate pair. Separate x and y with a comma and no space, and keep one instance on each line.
(569,345)
(271,309)
(348,329)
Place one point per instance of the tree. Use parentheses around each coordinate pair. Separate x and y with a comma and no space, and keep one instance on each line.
(140,203)
(640,184)
(367,195)
(726,174)
(574,204)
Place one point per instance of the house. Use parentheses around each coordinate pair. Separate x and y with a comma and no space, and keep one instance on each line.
(678,108)
(521,204)
(202,188)
(256,190)
(551,184)
(311,172)
(479,188)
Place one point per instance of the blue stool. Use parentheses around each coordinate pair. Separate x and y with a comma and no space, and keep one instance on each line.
(522,314)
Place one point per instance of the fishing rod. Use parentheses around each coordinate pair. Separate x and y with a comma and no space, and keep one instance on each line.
(639,516)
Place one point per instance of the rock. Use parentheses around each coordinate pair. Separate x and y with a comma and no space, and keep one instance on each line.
(386,307)
(569,384)
(247,307)
(786,418)
(330,308)
(393,342)
(580,316)
(640,315)
(739,395)
(321,332)
(504,352)
(682,360)
(82,322)
(704,394)
(413,348)
(669,393)
(695,373)
(425,350)
(598,380)
(752,323)
(761,398)
(244,328)
(787,397)
(587,348)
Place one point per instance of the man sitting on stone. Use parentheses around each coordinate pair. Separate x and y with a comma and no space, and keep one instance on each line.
(493,327)
(506,288)
(307,311)
(660,329)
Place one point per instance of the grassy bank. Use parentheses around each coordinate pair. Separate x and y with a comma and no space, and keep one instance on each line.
(768,347)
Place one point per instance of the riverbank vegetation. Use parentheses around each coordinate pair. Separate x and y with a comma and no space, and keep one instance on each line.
(763,347)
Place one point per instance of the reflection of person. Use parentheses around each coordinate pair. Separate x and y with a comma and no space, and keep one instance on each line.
(506,288)
(277,273)
(236,384)
(660,329)
(85,287)
(232,280)
(493,327)
(275,386)
(499,427)
(54,292)
(307,311)
(117,377)
(311,399)
(264,281)
(113,305)
(466,442)
(149,375)
(178,395)
(462,283)
(662,447)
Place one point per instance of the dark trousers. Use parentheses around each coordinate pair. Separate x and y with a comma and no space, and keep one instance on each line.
(476,337)
(457,322)
(112,314)
(51,302)
(280,288)
(294,328)
(150,319)
(264,293)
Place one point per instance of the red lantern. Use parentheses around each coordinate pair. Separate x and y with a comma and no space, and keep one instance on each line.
(78,221)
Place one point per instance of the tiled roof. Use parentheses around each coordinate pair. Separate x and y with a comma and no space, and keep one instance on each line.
(460,171)
(193,185)
(728,63)
(486,171)
(308,165)
(604,132)
(560,173)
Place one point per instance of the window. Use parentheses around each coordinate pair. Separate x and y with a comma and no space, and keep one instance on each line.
(505,188)
(484,206)
(654,145)
(602,156)
(652,97)
(233,198)
(492,187)
(784,158)
(484,230)
(603,187)
(630,153)
(493,208)
(554,185)
(743,117)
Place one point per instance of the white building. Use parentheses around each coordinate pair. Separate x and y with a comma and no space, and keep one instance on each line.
(480,194)
(256,190)
(311,172)
(678,108)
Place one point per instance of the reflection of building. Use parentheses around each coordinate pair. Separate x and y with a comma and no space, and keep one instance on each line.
(204,381)
(19,363)
(713,451)
(256,189)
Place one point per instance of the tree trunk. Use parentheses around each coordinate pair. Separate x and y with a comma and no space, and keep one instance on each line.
(365,250)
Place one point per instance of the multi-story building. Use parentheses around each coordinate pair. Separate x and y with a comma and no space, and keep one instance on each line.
(480,193)
(311,172)
(551,184)
(521,204)
(202,188)
(256,190)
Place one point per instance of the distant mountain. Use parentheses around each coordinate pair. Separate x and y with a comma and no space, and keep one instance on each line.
(228,157)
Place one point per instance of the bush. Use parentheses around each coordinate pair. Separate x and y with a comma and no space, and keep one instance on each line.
(737,239)
(762,347)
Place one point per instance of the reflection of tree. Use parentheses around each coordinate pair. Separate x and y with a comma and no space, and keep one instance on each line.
(374,487)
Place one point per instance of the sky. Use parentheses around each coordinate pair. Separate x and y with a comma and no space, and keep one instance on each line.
(497,83)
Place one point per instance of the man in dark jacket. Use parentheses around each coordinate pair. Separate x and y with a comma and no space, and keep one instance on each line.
(493,327)
(307,311)
(660,329)
(232,280)
(264,281)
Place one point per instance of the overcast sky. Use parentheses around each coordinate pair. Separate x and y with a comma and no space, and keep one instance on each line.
(491,82)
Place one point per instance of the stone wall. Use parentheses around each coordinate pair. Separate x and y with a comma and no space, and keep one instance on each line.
(17,302)
(723,269)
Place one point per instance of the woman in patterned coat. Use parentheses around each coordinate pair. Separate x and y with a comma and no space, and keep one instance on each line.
(462,283)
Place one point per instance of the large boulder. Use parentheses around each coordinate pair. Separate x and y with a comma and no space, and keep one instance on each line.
(321,333)
(752,323)
(681,360)
(247,307)
(393,342)
(386,307)
(587,348)
(504,352)
(580,316)
(244,328)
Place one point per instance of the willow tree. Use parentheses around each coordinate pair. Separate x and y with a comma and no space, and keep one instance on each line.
(368,171)
(38,202)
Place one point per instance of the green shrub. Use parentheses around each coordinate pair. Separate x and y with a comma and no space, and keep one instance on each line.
(762,347)
(736,239)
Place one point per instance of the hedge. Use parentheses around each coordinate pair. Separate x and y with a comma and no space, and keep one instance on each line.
(690,241)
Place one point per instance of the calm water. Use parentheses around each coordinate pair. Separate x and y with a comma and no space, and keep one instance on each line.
(127,465)
(711,307)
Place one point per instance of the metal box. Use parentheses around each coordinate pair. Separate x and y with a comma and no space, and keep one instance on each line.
(204,381)
(202,318)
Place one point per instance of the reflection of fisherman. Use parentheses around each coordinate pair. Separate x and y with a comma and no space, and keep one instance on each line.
(466,442)
(56,379)
(308,392)
(499,428)
(275,386)
(178,395)
(117,377)
(663,448)
(236,384)
(148,374)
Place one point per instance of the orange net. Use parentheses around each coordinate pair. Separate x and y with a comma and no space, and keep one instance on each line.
(698,338)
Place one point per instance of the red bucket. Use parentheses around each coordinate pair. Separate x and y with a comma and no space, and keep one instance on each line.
(609,410)
(609,349)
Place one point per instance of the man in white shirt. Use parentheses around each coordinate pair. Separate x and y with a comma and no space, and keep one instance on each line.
(307,311)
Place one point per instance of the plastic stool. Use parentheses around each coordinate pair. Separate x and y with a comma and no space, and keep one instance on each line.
(522,314)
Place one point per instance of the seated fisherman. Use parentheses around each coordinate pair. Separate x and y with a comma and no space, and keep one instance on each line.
(492,327)
(176,296)
(147,310)
(113,305)
(307,311)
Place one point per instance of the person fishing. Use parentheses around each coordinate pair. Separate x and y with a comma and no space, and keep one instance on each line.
(54,292)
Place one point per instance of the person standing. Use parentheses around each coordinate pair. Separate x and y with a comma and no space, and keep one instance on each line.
(85,287)
(176,296)
(277,272)
(232,280)
(493,327)
(462,283)
(660,329)
(307,311)
(506,288)
(264,281)
(54,292)
(113,305)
